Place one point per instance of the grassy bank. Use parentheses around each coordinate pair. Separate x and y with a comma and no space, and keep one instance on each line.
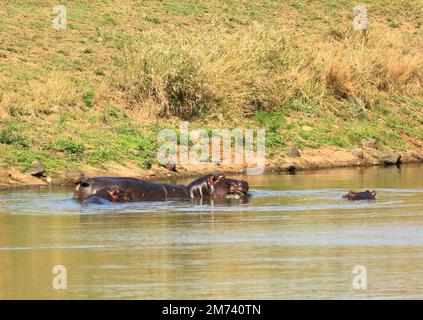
(98,92)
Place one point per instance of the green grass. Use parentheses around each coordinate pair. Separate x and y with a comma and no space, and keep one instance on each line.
(98,92)
(11,134)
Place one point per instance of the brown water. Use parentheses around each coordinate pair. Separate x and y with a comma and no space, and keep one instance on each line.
(295,238)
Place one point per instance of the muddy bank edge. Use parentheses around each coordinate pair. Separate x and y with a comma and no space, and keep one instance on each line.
(290,161)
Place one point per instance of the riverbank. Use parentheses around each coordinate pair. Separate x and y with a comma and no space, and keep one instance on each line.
(293,160)
(96,95)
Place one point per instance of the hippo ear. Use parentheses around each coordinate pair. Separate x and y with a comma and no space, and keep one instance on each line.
(82,178)
(213,179)
(220,177)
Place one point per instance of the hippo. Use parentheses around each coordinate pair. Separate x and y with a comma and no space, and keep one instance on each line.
(140,190)
(204,186)
(132,189)
(225,187)
(102,196)
(366,195)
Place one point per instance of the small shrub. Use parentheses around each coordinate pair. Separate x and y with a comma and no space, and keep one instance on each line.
(88,51)
(88,98)
(17,111)
(98,157)
(336,34)
(274,140)
(337,78)
(271,121)
(10,135)
(147,152)
(356,109)
(112,115)
(71,147)
(152,20)
(109,20)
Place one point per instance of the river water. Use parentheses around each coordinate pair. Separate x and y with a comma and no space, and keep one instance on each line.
(295,238)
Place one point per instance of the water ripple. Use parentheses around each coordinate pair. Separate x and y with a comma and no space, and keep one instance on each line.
(45,203)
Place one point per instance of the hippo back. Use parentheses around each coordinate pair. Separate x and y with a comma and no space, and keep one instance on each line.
(140,190)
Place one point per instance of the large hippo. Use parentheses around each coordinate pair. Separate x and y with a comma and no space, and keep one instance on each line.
(136,189)
(132,189)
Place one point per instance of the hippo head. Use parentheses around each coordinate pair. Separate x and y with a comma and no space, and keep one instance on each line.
(91,186)
(83,190)
(204,186)
(120,188)
(240,185)
(227,187)
(366,195)
(217,186)
(349,195)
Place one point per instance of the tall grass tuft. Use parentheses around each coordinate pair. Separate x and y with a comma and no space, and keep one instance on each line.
(262,69)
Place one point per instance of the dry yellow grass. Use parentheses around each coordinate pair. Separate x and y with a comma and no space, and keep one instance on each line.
(122,67)
(265,68)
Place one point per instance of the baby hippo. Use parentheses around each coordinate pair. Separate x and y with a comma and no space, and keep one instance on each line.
(366,195)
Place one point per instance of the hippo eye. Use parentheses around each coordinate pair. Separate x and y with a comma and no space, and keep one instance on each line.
(85,184)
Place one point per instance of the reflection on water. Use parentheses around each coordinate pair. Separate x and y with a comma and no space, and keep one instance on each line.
(294,238)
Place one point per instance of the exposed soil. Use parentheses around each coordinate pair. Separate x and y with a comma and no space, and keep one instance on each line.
(308,160)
